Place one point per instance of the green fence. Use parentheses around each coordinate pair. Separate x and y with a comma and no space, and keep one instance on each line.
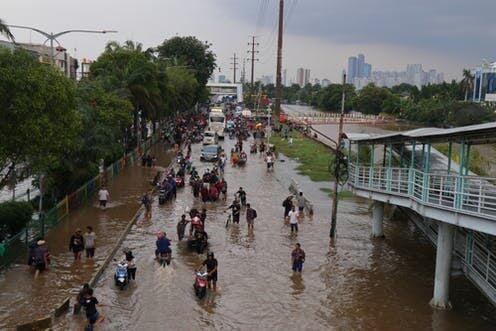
(14,247)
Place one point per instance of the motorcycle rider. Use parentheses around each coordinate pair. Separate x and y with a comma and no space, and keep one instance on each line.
(163,244)
(211,264)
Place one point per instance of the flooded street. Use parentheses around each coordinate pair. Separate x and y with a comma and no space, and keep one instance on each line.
(359,283)
(25,299)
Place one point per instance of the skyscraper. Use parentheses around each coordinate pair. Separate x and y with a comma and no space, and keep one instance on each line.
(300,76)
(307,76)
(352,69)
(360,65)
(367,70)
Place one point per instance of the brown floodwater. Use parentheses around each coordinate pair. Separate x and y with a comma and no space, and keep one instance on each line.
(357,284)
(25,299)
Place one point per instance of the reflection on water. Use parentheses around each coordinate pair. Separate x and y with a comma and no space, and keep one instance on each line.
(24,299)
(358,283)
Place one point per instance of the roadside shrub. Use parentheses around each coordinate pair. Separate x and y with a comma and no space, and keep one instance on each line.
(14,215)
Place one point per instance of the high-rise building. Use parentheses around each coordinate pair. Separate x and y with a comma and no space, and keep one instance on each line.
(367,70)
(360,65)
(300,77)
(307,76)
(325,82)
(316,81)
(352,69)
(284,77)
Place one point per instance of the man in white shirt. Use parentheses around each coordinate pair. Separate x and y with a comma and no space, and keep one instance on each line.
(293,220)
(103,196)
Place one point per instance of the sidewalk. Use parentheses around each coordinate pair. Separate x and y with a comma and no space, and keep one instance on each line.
(25,299)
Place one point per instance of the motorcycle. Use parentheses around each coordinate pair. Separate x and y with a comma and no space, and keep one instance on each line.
(199,242)
(164,258)
(179,181)
(253,149)
(121,276)
(200,284)
(164,196)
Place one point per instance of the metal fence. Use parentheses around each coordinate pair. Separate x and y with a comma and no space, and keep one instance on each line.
(467,194)
(16,245)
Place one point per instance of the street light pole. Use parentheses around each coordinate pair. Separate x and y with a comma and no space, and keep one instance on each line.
(337,160)
(53,36)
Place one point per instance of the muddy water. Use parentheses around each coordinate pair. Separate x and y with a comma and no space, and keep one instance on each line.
(357,284)
(25,299)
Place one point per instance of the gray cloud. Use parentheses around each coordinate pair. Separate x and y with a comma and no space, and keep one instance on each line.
(466,27)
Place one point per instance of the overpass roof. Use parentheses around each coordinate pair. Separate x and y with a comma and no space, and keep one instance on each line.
(473,134)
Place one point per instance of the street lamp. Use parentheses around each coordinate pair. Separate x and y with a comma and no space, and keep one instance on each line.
(53,36)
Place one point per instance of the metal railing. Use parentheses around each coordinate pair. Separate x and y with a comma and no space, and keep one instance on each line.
(466,194)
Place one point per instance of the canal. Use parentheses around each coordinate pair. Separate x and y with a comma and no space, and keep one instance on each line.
(359,283)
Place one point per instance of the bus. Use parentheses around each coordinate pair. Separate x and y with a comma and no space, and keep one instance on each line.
(217,122)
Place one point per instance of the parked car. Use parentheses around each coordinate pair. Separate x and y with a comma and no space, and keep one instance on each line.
(210,153)
(210,138)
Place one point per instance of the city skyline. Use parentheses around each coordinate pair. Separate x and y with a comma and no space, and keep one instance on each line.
(310,25)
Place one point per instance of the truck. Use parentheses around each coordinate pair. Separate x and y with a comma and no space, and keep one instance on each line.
(217,122)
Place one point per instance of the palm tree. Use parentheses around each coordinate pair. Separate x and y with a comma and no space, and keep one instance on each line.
(467,82)
(4,30)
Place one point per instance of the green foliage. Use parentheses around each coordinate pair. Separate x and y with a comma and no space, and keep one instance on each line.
(371,100)
(315,159)
(462,113)
(193,53)
(182,87)
(14,215)
(38,118)
(5,31)
(478,164)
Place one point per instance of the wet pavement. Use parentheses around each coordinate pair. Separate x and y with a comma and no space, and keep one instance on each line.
(359,283)
(25,299)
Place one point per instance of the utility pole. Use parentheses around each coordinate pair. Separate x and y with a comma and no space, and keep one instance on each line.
(279,59)
(243,72)
(253,44)
(235,66)
(337,161)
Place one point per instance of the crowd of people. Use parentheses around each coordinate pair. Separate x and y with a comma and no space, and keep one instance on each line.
(210,187)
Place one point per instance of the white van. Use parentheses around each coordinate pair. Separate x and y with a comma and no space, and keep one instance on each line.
(210,138)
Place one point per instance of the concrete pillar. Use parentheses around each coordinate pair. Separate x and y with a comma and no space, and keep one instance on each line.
(377,218)
(444,252)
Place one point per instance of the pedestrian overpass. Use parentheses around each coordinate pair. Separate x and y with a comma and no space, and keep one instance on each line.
(221,89)
(455,208)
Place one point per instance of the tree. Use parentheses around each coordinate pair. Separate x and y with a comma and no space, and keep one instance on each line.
(105,118)
(131,73)
(462,113)
(38,118)
(190,52)
(181,89)
(467,82)
(4,30)
(371,99)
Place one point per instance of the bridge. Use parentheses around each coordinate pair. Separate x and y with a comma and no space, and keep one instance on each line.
(454,207)
(221,89)
(317,118)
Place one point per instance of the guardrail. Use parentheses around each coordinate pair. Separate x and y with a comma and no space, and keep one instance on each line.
(15,246)
(466,194)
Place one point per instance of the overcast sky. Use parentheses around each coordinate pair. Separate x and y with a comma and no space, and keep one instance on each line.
(447,35)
